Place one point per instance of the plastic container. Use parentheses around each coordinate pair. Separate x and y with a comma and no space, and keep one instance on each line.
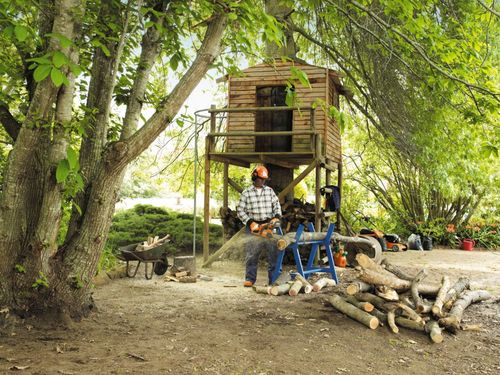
(468,244)
(427,243)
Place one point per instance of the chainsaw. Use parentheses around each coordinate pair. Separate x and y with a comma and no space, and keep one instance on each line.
(265,230)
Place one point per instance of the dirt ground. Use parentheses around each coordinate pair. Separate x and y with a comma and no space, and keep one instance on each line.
(219,327)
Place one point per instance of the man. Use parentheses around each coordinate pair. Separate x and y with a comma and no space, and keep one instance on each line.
(258,204)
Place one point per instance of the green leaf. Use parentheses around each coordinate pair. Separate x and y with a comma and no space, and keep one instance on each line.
(41,60)
(72,158)
(62,171)
(57,77)
(21,32)
(41,72)
(59,59)
(64,41)
(174,62)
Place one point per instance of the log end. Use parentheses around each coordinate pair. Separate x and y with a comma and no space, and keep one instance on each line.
(436,337)
(352,289)
(374,323)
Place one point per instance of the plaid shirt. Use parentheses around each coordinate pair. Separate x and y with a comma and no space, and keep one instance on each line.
(258,204)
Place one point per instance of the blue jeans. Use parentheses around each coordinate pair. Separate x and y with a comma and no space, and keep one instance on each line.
(254,246)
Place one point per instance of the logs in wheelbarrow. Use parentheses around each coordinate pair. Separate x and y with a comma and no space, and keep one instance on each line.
(156,256)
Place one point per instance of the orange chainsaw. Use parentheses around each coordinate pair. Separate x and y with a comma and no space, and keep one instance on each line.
(265,230)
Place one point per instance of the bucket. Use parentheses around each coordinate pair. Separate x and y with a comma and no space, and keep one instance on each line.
(468,244)
(427,243)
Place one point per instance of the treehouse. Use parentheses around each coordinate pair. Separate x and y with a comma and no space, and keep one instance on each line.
(257,126)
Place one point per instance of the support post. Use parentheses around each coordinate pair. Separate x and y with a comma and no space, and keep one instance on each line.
(225,187)
(206,206)
(317,187)
(339,184)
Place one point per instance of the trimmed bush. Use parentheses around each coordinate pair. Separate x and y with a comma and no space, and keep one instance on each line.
(136,224)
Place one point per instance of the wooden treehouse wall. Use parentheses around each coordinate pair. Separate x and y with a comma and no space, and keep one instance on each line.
(243,93)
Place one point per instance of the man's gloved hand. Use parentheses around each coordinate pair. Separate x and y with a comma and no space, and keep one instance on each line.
(252,226)
(275,222)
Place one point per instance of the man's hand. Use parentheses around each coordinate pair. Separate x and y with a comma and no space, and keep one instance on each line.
(252,226)
(275,222)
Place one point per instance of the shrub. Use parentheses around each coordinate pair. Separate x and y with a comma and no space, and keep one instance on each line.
(136,224)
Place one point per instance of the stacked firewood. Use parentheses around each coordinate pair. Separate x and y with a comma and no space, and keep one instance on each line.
(294,213)
(298,285)
(400,300)
(183,270)
(152,242)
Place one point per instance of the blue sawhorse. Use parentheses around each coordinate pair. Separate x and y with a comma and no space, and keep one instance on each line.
(310,268)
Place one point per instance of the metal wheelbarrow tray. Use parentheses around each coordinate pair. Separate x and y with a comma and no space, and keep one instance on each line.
(156,256)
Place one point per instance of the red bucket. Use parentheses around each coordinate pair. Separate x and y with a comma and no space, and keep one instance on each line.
(468,244)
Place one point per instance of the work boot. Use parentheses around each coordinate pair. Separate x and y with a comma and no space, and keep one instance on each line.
(248,284)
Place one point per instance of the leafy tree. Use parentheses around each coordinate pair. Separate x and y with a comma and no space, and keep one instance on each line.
(76,151)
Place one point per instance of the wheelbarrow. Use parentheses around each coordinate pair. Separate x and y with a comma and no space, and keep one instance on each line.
(156,257)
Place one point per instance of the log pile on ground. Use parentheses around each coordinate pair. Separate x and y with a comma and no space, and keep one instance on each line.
(296,286)
(183,270)
(402,300)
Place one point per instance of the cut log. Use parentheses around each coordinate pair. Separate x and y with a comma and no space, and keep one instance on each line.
(382,317)
(181,274)
(405,298)
(396,271)
(279,290)
(434,331)
(308,288)
(187,279)
(409,312)
(438,304)
(391,317)
(370,247)
(323,282)
(365,306)
(452,321)
(372,277)
(187,263)
(357,287)
(414,290)
(462,284)
(410,324)
(295,288)
(372,298)
(353,312)
(262,289)
(365,262)
(386,293)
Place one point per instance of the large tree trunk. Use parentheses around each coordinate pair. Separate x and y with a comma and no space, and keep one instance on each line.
(35,275)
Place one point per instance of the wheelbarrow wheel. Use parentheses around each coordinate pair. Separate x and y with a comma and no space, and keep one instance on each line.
(161,267)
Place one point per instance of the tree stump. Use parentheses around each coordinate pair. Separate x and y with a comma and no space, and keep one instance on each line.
(186,263)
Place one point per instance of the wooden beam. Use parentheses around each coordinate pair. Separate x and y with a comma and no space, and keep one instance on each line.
(280,163)
(317,187)
(339,184)
(270,153)
(239,163)
(326,164)
(225,186)
(206,201)
(292,184)
(265,134)
(234,185)
(258,109)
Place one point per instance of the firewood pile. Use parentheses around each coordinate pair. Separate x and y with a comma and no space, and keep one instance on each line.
(151,243)
(295,212)
(383,294)
(292,288)
(183,270)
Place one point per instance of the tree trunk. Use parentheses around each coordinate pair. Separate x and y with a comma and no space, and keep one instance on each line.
(35,275)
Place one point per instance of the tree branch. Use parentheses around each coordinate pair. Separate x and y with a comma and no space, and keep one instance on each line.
(419,49)
(207,53)
(10,124)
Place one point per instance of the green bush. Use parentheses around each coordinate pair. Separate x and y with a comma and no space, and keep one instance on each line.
(136,224)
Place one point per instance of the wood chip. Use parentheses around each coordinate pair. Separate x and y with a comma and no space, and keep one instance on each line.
(136,356)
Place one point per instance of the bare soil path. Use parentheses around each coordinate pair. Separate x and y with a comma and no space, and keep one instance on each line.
(219,327)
